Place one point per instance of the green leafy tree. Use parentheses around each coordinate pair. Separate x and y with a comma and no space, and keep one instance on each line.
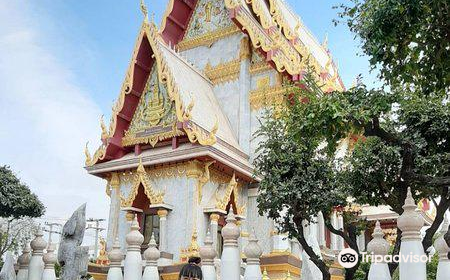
(300,175)
(17,206)
(408,41)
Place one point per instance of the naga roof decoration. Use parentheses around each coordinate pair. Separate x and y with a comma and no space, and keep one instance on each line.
(190,92)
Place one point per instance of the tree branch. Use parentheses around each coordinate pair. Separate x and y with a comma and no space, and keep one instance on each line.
(309,250)
(441,208)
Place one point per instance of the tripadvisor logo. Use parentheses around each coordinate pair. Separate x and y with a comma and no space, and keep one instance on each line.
(348,258)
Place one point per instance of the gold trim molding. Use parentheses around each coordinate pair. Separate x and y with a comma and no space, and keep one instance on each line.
(141,178)
(207,39)
(223,72)
(260,98)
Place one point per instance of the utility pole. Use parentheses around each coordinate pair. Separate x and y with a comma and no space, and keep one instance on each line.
(97,229)
(51,231)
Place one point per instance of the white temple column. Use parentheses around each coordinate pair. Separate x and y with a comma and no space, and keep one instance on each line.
(151,255)
(340,226)
(24,261)
(410,223)
(208,253)
(333,237)
(244,131)
(162,214)
(49,263)
(231,260)
(214,228)
(361,241)
(380,247)
(115,257)
(253,253)
(133,258)
(443,270)
(36,266)
(321,230)
(114,210)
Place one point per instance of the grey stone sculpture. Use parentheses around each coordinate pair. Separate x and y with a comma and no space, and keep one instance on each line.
(8,272)
(73,257)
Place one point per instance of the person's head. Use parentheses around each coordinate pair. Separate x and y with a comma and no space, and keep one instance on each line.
(192,270)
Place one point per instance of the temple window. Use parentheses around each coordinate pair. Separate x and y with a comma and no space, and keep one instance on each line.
(151,225)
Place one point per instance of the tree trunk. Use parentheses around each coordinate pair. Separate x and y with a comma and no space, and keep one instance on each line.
(441,208)
(310,252)
(350,272)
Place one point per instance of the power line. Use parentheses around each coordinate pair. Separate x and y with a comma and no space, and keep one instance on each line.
(51,231)
(97,229)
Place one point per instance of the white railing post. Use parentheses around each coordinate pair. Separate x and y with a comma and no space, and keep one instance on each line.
(443,270)
(24,261)
(378,246)
(208,253)
(151,256)
(411,249)
(115,257)
(253,253)
(133,258)
(231,261)
(36,266)
(49,263)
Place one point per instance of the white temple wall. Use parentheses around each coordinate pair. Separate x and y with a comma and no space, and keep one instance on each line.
(262,225)
(223,50)
(228,96)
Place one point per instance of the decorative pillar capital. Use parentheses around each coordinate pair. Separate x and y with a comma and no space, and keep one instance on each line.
(152,254)
(378,245)
(410,222)
(134,238)
(115,256)
(214,217)
(114,180)
(162,213)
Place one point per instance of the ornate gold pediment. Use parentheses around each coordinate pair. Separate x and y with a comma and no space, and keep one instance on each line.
(154,119)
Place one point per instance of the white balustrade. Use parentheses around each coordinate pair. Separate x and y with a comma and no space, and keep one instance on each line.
(253,253)
(24,261)
(208,253)
(378,246)
(230,261)
(443,270)
(411,249)
(151,256)
(36,266)
(49,263)
(115,257)
(133,258)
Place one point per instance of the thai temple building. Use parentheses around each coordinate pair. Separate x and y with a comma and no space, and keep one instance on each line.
(179,148)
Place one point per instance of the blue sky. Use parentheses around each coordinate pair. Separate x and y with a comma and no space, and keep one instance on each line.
(97,37)
(62,63)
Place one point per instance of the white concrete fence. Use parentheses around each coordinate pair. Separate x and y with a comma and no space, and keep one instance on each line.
(411,249)
(40,265)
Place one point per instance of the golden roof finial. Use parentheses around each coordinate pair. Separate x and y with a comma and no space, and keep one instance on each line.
(265,275)
(144,10)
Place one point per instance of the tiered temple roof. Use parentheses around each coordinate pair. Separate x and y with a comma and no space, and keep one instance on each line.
(274,31)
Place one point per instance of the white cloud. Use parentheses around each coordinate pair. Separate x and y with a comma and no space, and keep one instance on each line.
(45,118)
